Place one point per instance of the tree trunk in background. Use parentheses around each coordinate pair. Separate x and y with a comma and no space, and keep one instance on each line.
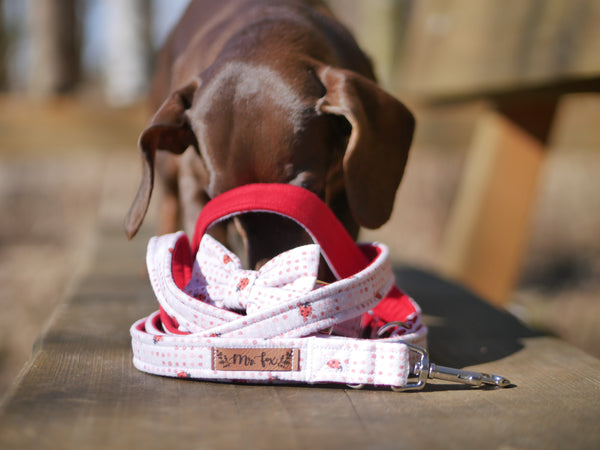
(54,31)
(128,50)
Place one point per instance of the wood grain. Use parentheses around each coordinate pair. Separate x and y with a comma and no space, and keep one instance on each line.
(459,47)
(80,389)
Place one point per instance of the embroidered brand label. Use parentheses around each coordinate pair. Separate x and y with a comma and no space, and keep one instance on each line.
(256,359)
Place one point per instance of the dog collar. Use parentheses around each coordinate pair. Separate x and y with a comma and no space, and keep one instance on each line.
(358,330)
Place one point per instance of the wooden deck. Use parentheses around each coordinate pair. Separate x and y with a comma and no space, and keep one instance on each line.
(80,389)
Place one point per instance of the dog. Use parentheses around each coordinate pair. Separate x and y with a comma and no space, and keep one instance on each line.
(266,91)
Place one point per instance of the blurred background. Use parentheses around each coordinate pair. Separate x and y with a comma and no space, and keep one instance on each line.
(491,74)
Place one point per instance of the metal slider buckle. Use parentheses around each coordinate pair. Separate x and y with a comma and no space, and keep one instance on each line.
(425,370)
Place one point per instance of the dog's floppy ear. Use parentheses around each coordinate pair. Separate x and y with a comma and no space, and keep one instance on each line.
(377,149)
(168,130)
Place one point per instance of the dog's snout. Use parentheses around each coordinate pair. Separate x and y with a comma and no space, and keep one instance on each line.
(267,235)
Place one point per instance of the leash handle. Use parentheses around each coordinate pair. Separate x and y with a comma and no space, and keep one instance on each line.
(223,345)
(344,256)
(302,206)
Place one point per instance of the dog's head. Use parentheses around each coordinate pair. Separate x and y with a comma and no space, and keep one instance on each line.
(329,130)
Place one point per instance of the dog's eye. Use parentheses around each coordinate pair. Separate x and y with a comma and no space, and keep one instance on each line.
(309,182)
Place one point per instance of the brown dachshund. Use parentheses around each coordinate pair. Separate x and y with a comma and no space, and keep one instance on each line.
(267,91)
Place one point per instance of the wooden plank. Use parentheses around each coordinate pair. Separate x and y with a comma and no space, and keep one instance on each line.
(459,47)
(488,228)
(80,389)
(577,122)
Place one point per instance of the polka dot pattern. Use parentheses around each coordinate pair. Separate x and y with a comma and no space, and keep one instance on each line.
(284,323)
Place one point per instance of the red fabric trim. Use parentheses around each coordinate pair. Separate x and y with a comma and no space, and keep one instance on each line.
(183,262)
(296,203)
(168,322)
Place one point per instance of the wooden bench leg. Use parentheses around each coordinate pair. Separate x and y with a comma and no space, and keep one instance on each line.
(488,227)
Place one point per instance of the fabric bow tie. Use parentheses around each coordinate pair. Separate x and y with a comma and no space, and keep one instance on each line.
(219,279)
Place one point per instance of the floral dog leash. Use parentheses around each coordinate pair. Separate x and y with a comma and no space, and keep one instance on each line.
(217,321)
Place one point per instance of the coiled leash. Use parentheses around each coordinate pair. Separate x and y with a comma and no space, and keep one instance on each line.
(217,321)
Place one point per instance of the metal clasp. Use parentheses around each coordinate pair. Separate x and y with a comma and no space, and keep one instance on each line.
(425,369)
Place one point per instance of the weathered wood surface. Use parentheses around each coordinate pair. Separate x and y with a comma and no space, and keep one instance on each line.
(80,389)
(461,47)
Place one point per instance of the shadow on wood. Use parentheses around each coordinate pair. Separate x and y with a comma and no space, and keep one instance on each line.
(463,329)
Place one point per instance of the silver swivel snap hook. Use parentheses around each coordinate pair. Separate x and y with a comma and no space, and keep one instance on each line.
(425,370)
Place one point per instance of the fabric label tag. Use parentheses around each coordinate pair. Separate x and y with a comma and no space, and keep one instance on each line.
(256,359)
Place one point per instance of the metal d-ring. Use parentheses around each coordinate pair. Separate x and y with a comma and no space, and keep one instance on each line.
(387,326)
